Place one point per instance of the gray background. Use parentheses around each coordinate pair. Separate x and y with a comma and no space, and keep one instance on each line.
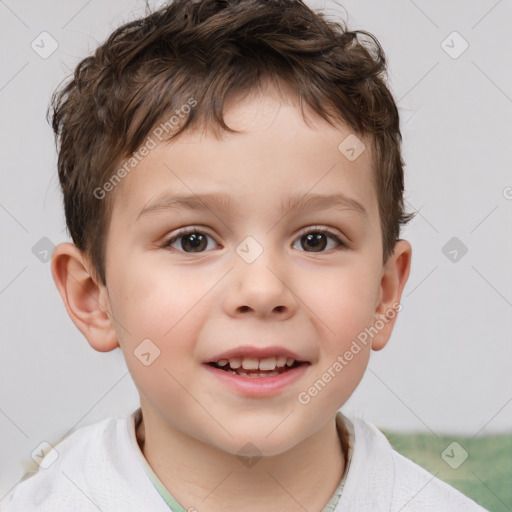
(447,366)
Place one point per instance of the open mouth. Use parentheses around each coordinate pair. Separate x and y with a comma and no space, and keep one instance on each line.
(257,372)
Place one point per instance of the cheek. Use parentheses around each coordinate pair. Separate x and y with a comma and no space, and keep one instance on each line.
(158,315)
(155,299)
(343,300)
(162,316)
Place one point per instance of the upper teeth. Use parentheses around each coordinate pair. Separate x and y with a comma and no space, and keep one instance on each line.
(252,363)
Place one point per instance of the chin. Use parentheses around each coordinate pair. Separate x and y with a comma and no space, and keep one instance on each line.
(255,445)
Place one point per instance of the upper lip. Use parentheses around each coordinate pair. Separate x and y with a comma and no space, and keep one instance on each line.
(257,353)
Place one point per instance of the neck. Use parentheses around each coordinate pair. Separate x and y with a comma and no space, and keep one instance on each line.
(200,476)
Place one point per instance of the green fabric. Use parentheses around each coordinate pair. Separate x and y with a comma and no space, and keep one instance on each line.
(485,476)
(160,487)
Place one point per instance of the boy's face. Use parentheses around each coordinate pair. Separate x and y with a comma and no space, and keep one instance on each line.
(249,277)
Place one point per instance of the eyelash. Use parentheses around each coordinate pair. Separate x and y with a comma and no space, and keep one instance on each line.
(187,231)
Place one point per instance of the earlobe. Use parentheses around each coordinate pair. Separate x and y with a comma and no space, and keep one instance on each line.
(85,300)
(394,278)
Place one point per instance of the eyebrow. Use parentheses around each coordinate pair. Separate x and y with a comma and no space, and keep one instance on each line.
(223,202)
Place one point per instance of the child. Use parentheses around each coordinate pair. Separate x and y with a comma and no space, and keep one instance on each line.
(203,150)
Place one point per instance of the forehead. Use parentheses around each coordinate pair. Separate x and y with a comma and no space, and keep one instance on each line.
(279,158)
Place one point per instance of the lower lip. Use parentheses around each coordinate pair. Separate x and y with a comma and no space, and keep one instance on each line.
(258,386)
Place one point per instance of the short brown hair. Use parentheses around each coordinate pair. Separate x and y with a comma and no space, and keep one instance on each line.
(208,50)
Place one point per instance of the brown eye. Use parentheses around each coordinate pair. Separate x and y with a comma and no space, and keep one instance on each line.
(196,242)
(189,241)
(318,240)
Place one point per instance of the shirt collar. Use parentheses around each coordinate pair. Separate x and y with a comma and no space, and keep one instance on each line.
(344,428)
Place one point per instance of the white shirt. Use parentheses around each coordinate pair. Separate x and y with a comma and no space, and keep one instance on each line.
(99,469)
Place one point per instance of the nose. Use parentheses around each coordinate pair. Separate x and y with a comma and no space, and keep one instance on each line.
(262,288)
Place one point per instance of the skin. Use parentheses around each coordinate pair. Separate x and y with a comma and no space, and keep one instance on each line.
(198,304)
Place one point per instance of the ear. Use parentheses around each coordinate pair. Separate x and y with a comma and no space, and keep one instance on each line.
(85,298)
(395,273)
